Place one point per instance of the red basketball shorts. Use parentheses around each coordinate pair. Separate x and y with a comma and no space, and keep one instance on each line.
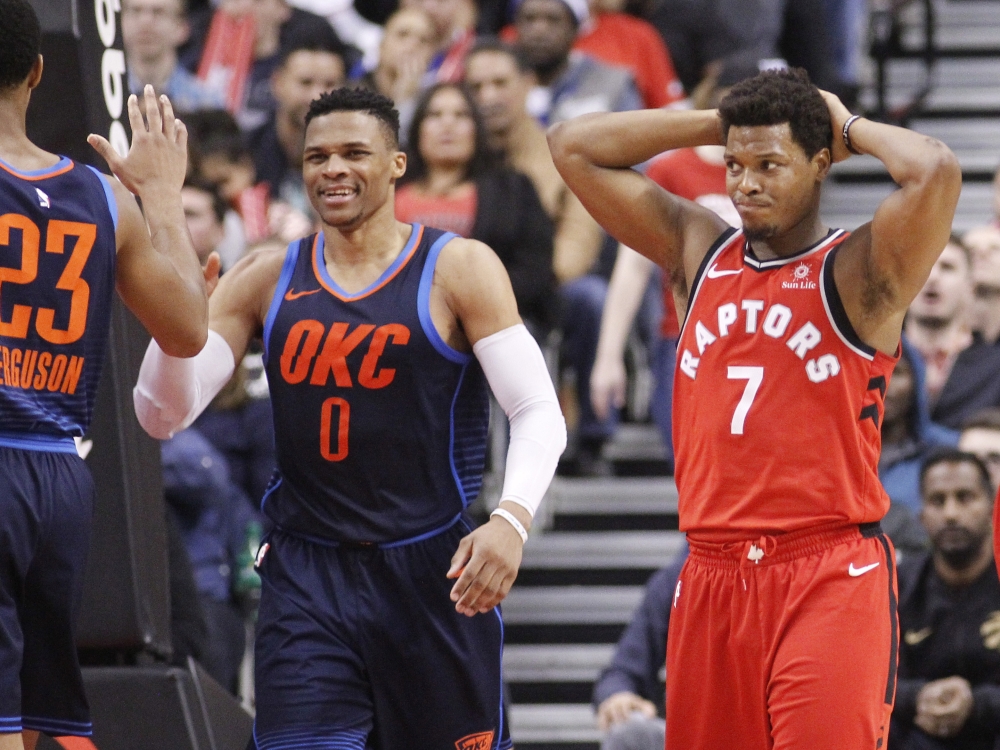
(788,642)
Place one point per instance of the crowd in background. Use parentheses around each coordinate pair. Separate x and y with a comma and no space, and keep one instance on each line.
(476,82)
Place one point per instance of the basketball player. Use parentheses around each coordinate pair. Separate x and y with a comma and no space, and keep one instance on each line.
(377,337)
(783,632)
(68,237)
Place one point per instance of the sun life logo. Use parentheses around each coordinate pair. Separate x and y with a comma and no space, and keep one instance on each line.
(800,278)
(801,271)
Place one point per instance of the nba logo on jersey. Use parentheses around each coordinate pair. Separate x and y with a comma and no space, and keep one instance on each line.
(43,199)
(478,741)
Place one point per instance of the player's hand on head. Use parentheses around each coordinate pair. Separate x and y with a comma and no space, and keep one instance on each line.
(839,114)
(617,708)
(157,157)
(485,564)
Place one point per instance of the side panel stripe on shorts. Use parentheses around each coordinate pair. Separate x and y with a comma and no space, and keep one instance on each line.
(890,687)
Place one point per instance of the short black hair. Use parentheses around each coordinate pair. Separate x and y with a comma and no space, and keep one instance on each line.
(346,99)
(219,206)
(20,42)
(955,456)
(774,97)
(319,37)
(482,158)
(495,44)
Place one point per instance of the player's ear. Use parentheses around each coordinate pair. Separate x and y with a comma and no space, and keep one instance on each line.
(822,161)
(398,164)
(35,76)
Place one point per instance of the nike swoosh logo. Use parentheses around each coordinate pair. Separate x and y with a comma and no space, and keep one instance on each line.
(855,572)
(913,637)
(290,295)
(715,274)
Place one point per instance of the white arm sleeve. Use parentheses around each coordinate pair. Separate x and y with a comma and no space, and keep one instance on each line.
(516,371)
(173,391)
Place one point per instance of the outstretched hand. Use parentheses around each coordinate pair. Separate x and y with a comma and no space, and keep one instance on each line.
(158,155)
(839,114)
(485,564)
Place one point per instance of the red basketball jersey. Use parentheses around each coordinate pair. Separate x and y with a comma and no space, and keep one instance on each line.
(777,402)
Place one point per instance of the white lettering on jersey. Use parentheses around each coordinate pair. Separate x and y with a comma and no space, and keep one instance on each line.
(752,307)
(727,316)
(689,364)
(804,339)
(703,336)
(776,321)
(820,369)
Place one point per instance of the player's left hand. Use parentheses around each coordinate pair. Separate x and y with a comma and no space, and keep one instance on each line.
(839,114)
(486,564)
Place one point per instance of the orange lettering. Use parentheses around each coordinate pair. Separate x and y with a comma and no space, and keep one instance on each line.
(366,376)
(334,355)
(58,370)
(18,325)
(343,427)
(14,372)
(72,374)
(44,360)
(313,331)
(70,280)
(28,367)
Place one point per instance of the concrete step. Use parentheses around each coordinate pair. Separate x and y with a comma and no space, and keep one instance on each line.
(554,723)
(643,495)
(571,605)
(649,550)
(850,205)
(555,662)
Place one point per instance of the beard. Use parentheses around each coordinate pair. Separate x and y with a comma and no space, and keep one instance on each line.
(760,233)
(958,546)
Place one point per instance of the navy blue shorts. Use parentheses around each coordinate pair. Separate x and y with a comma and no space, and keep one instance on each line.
(46,507)
(360,647)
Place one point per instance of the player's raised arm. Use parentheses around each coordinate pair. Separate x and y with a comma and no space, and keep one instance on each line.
(595,155)
(894,253)
(472,283)
(157,271)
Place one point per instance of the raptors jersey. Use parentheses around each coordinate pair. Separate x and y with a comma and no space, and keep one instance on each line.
(57,276)
(380,426)
(777,402)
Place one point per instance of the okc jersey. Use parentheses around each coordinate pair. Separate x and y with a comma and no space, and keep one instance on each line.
(777,402)
(380,426)
(57,275)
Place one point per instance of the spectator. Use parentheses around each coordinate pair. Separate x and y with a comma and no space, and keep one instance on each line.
(454,24)
(205,212)
(961,367)
(451,185)
(303,74)
(984,250)
(629,693)
(214,517)
(569,83)
(617,38)
(948,690)
(500,79)
(152,31)
(404,54)
(981,437)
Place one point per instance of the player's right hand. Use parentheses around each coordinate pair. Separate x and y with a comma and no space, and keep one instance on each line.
(607,385)
(618,707)
(157,158)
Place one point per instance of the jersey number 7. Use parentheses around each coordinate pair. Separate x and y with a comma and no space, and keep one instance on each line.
(754,377)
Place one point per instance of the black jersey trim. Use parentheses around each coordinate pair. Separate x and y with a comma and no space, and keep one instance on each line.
(284,279)
(765,265)
(835,310)
(890,686)
(711,256)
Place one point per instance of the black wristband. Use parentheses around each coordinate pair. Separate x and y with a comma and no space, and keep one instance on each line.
(846,134)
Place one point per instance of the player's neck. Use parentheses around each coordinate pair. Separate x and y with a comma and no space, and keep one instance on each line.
(804,234)
(15,148)
(377,241)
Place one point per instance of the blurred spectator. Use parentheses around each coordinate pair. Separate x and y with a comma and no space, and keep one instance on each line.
(569,83)
(500,80)
(454,23)
(303,74)
(948,690)
(981,437)
(450,184)
(847,21)
(152,31)
(984,250)
(629,693)
(215,518)
(404,54)
(205,211)
(617,38)
(961,367)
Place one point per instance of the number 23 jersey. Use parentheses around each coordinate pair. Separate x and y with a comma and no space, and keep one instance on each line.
(777,401)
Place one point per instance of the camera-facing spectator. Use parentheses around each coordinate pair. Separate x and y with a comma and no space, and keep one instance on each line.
(451,184)
(981,437)
(152,32)
(205,211)
(948,689)
(404,54)
(961,367)
(454,24)
(984,250)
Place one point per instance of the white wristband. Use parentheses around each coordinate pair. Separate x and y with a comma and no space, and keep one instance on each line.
(512,520)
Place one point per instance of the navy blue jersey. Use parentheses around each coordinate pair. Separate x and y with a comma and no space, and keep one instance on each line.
(380,425)
(57,275)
